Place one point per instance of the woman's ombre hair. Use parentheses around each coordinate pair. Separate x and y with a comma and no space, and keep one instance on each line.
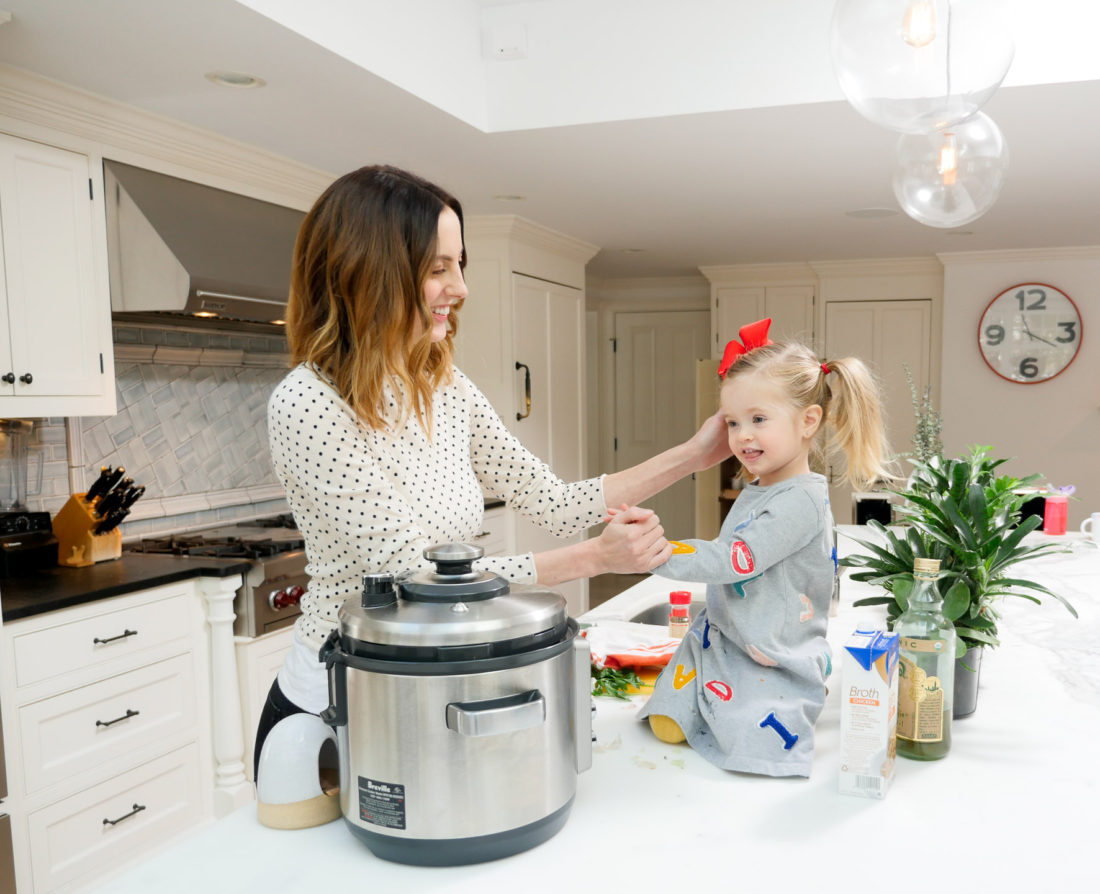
(356,310)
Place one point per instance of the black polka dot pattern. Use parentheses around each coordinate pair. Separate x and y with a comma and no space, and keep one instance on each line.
(372,501)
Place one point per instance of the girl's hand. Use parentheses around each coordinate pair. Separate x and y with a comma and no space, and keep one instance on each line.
(711,444)
(633,542)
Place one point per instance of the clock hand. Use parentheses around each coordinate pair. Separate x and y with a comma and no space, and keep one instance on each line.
(1032,335)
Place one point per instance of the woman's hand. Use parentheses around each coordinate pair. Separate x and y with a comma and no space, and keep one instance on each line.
(711,444)
(633,542)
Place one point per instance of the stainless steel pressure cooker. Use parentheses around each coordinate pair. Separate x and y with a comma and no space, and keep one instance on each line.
(463,712)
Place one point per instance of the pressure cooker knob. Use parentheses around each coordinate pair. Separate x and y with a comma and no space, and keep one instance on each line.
(453,558)
(378,591)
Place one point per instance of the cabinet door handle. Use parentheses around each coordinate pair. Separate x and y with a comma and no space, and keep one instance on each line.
(137,809)
(26,378)
(8,377)
(130,712)
(125,633)
(526,389)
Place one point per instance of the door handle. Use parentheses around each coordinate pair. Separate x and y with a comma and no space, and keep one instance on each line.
(114,822)
(526,389)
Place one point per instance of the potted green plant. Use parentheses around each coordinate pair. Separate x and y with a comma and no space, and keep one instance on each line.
(963,513)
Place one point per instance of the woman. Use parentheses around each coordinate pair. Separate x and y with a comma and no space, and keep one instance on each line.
(385,448)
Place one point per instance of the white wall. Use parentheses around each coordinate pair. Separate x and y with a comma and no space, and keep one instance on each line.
(1053,427)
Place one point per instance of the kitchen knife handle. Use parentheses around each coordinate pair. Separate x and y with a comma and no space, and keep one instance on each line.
(99,485)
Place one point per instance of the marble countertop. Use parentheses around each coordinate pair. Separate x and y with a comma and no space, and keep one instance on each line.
(1011,807)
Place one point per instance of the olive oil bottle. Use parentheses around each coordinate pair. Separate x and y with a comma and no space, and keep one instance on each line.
(926,671)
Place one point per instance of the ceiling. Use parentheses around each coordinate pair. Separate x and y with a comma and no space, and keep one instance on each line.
(687,170)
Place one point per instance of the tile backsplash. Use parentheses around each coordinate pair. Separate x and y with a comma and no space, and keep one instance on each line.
(191,427)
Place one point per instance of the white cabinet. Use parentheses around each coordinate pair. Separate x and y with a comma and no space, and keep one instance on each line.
(107,733)
(791,308)
(495,534)
(258,662)
(524,321)
(55,317)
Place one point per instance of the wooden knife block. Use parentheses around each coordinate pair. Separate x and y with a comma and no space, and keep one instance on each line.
(76,544)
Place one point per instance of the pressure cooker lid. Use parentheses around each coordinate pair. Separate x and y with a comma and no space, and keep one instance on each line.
(451,612)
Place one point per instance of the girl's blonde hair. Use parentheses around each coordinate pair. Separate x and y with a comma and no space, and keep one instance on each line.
(361,259)
(850,401)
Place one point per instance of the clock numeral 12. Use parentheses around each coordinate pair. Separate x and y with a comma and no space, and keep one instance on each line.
(1039,303)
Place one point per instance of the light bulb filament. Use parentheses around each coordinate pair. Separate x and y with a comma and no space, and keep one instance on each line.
(948,165)
(918,28)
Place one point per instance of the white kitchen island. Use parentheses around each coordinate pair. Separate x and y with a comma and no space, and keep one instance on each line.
(1012,807)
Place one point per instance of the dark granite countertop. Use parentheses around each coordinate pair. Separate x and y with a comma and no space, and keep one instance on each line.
(492,503)
(61,587)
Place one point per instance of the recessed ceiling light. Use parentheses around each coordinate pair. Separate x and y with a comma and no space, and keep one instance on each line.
(867,213)
(509,197)
(234,79)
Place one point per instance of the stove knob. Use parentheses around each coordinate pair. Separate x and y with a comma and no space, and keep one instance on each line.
(278,599)
(295,594)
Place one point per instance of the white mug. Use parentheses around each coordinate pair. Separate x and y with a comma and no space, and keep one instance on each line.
(1091,526)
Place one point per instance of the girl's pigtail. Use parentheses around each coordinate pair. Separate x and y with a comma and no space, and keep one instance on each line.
(857,422)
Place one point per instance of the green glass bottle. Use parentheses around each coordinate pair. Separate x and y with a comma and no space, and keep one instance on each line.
(926,671)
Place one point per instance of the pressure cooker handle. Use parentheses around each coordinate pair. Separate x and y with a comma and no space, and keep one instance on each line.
(336,714)
(582,703)
(497,715)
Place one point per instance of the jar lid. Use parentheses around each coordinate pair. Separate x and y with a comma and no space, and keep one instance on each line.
(441,613)
(926,566)
(680,597)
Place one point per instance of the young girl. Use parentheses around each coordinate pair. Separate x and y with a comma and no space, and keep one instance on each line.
(747,684)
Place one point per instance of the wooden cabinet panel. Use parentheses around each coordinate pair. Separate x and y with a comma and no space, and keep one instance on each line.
(102,827)
(90,726)
(791,309)
(55,337)
(72,646)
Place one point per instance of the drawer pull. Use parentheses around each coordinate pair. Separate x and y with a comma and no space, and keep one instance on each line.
(125,633)
(482,534)
(137,809)
(130,712)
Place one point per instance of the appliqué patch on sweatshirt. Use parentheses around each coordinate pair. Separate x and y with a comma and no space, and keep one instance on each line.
(681,549)
(759,657)
(741,556)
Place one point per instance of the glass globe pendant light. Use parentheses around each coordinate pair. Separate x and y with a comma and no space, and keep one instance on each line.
(918,66)
(951,177)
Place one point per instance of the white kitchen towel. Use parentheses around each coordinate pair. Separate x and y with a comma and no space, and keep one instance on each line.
(626,644)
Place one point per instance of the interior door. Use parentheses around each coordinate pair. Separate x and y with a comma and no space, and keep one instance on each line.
(655,361)
(549,329)
(888,336)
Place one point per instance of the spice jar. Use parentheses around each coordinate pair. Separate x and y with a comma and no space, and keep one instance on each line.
(1054,514)
(679,614)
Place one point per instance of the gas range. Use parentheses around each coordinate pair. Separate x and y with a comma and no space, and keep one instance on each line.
(274,586)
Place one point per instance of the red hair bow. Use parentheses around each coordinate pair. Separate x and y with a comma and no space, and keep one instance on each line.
(753,335)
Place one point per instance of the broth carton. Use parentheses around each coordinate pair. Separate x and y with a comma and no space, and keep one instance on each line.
(868,712)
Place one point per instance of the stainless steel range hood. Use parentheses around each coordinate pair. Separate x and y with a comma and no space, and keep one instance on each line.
(180,248)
